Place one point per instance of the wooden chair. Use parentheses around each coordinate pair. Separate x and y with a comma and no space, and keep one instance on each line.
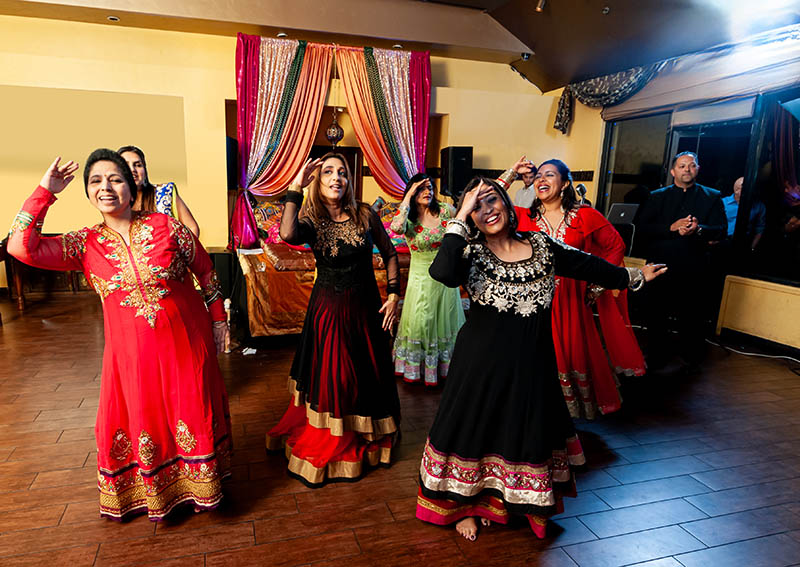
(15,272)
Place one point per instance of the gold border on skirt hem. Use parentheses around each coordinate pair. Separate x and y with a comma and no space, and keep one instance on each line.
(426,503)
(336,469)
(370,429)
(205,494)
(511,496)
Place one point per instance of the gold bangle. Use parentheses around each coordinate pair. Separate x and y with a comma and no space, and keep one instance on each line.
(393,297)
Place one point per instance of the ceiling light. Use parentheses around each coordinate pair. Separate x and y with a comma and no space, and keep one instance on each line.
(540,5)
(282,34)
(112,19)
(397,46)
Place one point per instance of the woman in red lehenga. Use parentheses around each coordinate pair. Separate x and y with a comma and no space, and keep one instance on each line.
(586,378)
(344,410)
(163,428)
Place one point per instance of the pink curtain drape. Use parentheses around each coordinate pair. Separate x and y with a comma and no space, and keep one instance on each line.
(244,230)
(420,86)
(248,54)
(277,59)
(264,123)
(301,124)
(353,72)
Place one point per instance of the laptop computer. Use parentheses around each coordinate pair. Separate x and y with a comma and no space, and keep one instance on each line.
(622,213)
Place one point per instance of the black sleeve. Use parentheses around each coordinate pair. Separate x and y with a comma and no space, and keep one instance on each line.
(450,267)
(648,222)
(294,231)
(388,252)
(716,228)
(572,263)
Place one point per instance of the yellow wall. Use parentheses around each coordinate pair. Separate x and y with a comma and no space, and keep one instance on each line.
(169,91)
(41,123)
(84,68)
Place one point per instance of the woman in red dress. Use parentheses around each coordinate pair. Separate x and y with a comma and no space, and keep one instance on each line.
(586,377)
(163,427)
(344,411)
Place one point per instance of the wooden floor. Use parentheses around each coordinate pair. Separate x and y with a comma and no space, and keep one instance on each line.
(695,471)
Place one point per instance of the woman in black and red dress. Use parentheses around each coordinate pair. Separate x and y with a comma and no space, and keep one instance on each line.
(344,410)
(502,441)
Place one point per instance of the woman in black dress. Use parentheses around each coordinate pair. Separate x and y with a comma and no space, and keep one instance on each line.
(344,410)
(503,441)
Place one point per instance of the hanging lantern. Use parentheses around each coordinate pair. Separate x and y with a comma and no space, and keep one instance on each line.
(334,133)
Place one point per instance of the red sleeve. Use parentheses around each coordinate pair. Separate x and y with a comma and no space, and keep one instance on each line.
(524,222)
(602,239)
(201,266)
(26,243)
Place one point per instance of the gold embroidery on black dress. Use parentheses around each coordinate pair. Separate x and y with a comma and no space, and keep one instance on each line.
(330,235)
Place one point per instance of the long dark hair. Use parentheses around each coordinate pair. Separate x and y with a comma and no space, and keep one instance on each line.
(433,206)
(148,189)
(569,197)
(314,208)
(512,215)
(104,154)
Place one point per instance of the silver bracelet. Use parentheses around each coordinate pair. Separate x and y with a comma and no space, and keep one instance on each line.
(457,226)
(635,279)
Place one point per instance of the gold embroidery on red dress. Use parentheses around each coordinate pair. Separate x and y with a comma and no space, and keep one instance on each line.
(184,437)
(120,445)
(147,448)
(212,290)
(143,282)
(73,244)
(21,222)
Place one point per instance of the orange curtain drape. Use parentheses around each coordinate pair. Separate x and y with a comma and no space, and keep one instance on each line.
(301,125)
(353,72)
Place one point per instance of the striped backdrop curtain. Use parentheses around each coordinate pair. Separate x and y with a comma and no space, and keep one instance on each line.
(388,99)
(280,92)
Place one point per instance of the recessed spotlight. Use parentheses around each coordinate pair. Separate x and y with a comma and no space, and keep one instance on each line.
(112,19)
(397,46)
(282,34)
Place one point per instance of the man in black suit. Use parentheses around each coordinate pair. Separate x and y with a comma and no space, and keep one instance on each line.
(678,222)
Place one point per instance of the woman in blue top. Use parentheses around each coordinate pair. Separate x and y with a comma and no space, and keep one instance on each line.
(160,198)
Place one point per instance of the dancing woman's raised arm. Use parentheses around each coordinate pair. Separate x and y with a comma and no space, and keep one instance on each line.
(293,230)
(26,243)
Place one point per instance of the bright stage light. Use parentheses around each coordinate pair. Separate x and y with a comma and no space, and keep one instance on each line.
(746,17)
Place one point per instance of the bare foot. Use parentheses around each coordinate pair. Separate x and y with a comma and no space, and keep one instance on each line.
(486,522)
(468,528)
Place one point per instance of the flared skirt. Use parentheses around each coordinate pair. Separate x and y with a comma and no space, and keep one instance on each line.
(344,411)
(163,426)
(432,315)
(502,429)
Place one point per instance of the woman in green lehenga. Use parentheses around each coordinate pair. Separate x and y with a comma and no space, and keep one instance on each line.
(432,313)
